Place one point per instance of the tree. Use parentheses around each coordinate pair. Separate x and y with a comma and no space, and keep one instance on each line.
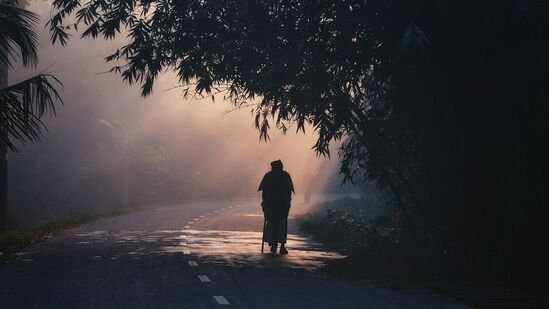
(23,103)
(442,104)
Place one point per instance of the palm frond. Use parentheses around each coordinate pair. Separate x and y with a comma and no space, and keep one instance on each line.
(23,106)
(18,38)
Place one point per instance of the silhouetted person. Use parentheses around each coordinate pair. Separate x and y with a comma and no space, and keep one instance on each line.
(277,188)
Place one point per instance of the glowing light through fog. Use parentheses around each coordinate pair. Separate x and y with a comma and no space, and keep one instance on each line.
(197,147)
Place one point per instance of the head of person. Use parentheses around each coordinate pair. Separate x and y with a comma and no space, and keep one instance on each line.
(276,165)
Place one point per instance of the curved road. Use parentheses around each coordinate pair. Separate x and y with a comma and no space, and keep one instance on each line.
(192,255)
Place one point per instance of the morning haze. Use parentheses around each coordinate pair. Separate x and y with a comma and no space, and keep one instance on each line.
(163,148)
(274,154)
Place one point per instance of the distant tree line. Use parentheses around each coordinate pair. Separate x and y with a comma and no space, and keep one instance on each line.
(442,103)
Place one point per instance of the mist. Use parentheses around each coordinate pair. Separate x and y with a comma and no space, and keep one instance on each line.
(109,148)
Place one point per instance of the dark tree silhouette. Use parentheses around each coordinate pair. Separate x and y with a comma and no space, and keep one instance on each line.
(23,103)
(441,103)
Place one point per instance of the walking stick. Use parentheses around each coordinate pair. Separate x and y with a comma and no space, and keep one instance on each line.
(263,238)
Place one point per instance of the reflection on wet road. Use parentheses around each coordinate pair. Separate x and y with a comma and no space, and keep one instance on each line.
(242,249)
(228,248)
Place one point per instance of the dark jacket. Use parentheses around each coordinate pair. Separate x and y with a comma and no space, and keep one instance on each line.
(277,188)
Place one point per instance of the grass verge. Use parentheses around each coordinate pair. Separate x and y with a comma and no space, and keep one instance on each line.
(15,240)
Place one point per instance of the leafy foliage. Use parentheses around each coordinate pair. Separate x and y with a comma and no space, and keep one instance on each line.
(24,103)
(286,55)
(374,248)
(350,225)
(17,38)
(441,103)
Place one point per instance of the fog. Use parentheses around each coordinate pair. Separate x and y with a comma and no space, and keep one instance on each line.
(110,148)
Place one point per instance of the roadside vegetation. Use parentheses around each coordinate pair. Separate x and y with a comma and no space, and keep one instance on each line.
(368,233)
(379,250)
(17,238)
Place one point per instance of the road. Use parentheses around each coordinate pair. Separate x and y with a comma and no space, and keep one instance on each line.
(192,255)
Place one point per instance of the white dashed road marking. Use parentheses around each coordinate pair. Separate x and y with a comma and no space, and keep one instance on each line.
(221,300)
(187,226)
(204,278)
(187,252)
(193,263)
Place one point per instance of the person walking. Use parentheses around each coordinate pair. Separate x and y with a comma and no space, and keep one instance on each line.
(277,188)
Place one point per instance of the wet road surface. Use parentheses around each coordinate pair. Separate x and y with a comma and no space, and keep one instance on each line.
(193,255)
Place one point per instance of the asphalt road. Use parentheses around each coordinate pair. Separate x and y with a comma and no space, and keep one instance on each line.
(193,255)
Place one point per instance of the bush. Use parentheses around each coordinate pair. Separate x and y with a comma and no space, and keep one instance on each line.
(367,235)
(347,225)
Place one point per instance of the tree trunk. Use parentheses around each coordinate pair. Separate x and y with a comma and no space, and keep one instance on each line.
(3,162)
